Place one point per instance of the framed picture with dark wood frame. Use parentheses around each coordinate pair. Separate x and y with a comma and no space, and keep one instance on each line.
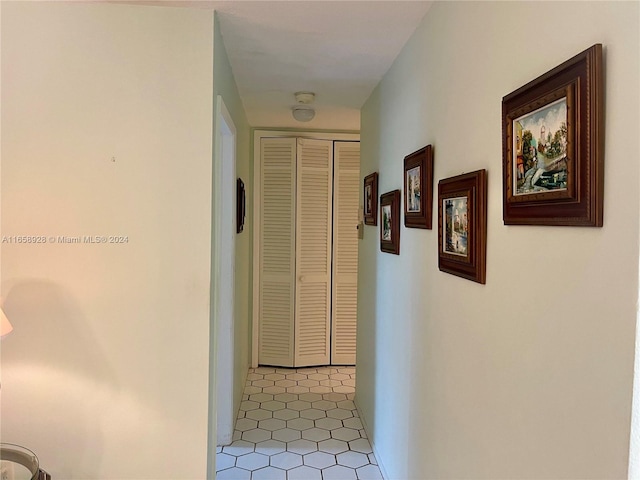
(553,146)
(371,199)
(462,225)
(241,202)
(390,222)
(418,188)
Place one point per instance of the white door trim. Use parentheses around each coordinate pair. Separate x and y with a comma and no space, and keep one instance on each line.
(258,135)
(224,275)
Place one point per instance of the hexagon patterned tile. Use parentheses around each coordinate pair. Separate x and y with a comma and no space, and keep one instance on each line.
(298,424)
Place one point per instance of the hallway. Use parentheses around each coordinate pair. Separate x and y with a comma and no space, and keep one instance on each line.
(298,424)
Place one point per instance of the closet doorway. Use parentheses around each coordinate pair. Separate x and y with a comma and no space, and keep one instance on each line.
(306,213)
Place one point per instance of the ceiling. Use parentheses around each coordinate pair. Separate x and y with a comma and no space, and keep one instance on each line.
(338,49)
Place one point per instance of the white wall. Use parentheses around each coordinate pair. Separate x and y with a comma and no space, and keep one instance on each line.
(530,375)
(225,86)
(106,372)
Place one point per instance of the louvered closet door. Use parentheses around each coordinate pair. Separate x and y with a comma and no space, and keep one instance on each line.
(345,252)
(277,251)
(313,252)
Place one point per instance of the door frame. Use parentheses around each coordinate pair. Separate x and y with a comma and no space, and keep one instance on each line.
(224,274)
(258,135)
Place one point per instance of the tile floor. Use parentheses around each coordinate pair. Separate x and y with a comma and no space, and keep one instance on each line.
(298,424)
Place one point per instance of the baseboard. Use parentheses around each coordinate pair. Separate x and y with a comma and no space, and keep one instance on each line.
(383,471)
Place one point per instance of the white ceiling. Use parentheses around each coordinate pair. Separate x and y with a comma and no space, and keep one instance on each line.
(338,49)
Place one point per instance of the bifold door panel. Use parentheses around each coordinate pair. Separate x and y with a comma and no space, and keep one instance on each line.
(313,252)
(277,251)
(345,252)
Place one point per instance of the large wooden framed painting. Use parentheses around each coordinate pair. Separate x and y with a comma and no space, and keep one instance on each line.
(371,199)
(390,222)
(462,225)
(418,188)
(553,140)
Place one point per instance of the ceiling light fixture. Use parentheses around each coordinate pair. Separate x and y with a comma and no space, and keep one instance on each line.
(302,112)
(305,98)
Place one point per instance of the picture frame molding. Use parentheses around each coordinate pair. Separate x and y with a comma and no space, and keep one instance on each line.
(422,159)
(391,199)
(473,186)
(580,80)
(371,218)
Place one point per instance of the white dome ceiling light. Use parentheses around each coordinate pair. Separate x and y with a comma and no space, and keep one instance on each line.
(303,112)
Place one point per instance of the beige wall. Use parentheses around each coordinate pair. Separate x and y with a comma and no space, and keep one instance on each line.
(106,372)
(530,375)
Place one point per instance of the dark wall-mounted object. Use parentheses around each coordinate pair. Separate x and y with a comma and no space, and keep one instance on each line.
(390,222)
(553,146)
(241,203)
(462,225)
(371,199)
(418,188)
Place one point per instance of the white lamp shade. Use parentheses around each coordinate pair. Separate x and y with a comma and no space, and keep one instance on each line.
(5,325)
(303,114)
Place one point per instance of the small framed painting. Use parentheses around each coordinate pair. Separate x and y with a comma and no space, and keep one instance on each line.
(241,205)
(418,188)
(390,222)
(553,146)
(462,225)
(371,199)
